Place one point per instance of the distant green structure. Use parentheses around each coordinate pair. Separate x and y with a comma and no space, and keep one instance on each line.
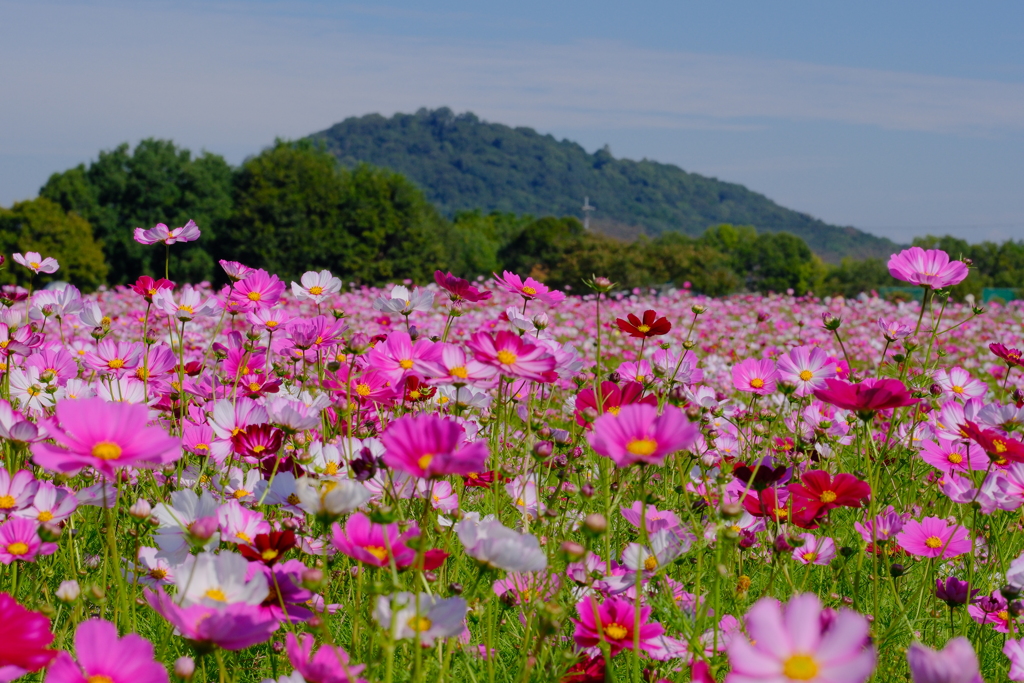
(1001,293)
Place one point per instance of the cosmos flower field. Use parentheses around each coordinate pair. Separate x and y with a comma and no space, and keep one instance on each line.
(493,481)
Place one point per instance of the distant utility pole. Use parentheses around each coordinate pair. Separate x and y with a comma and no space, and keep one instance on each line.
(587,208)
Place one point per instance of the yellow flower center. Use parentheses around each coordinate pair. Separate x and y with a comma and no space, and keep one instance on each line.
(105,450)
(644,328)
(157,574)
(378,552)
(933,542)
(258,449)
(642,447)
(405,364)
(506,357)
(651,563)
(99,678)
(1000,445)
(316,290)
(142,374)
(957,389)
(425,460)
(202,447)
(240,493)
(242,536)
(1004,616)
(828,496)
(216,594)
(187,309)
(7,501)
(800,668)
(363,389)
(45,516)
(459,372)
(269,554)
(254,296)
(34,264)
(955,458)
(420,624)
(255,386)
(614,410)
(271,323)
(781,513)
(17,548)
(615,631)
(806,375)
(757,382)
(529,290)
(810,556)
(331,469)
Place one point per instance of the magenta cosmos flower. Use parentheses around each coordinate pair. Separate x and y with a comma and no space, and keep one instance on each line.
(106,436)
(234,626)
(161,233)
(927,267)
(755,376)
(103,657)
(24,637)
(459,290)
(512,356)
(867,396)
(328,665)
(934,537)
(614,622)
(529,289)
(955,663)
(378,544)
(796,644)
(427,446)
(639,434)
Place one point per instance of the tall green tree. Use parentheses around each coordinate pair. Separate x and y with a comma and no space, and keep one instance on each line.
(157,182)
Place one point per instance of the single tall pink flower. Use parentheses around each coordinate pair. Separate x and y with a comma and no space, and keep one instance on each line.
(378,544)
(106,436)
(258,290)
(529,289)
(36,263)
(161,233)
(614,622)
(513,356)
(807,368)
(934,537)
(639,434)
(24,637)
(103,657)
(755,376)
(796,644)
(426,446)
(928,268)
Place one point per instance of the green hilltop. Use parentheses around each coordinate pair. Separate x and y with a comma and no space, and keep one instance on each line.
(463,163)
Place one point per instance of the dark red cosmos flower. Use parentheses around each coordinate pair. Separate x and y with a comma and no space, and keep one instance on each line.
(268,548)
(613,398)
(818,490)
(1001,448)
(765,503)
(417,391)
(589,670)
(866,397)
(650,326)
(1012,357)
(480,479)
(258,441)
(459,289)
(12,294)
(759,477)
(146,287)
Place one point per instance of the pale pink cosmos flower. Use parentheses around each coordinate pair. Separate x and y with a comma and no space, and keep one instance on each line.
(424,618)
(955,663)
(398,357)
(161,233)
(928,268)
(328,665)
(316,287)
(656,519)
(105,436)
(958,383)
(234,626)
(952,456)
(1014,651)
(103,658)
(401,300)
(934,537)
(19,540)
(36,263)
(806,368)
(453,366)
(815,550)
(428,446)
(798,643)
(50,504)
(188,306)
(755,376)
(17,492)
(894,330)
(639,434)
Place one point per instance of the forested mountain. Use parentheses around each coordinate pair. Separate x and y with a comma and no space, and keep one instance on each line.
(463,164)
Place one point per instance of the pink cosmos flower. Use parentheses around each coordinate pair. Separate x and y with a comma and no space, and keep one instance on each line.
(378,545)
(190,304)
(1014,651)
(102,657)
(530,289)
(755,376)
(934,537)
(426,446)
(894,330)
(234,626)
(19,540)
(328,665)
(513,356)
(17,492)
(161,233)
(234,270)
(106,436)
(955,663)
(639,434)
(815,550)
(116,358)
(50,504)
(799,643)
(258,290)
(656,519)
(36,263)
(24,637)
(460,290)
(613,622)
(928,268)
(806,368)
(952,456)
(454,367)
(398,357)
(958,383)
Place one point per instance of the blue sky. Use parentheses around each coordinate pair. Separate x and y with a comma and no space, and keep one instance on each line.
(898,118)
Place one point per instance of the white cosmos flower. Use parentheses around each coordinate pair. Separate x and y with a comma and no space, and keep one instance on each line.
(495,545)
(664,547)
(436,618)
(177,517)
(316,286)
(218,580)
(401,301)
(330,497)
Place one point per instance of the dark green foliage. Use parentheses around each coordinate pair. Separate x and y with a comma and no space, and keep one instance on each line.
(43,226)
(463,164)
(157,182)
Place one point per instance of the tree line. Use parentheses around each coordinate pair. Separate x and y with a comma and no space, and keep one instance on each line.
(293,208)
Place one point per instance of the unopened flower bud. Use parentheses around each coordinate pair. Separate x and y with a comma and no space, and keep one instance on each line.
(184,667)
(543,449)
(595,524)
(1010,592)
(141,509)
(589,414)
(587,490)
(49,532)
(312,579)
(455,588)
(572,551)
(541,321)
(897,570)
(203,529)
(68,591)
(698,309)
(614,377)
